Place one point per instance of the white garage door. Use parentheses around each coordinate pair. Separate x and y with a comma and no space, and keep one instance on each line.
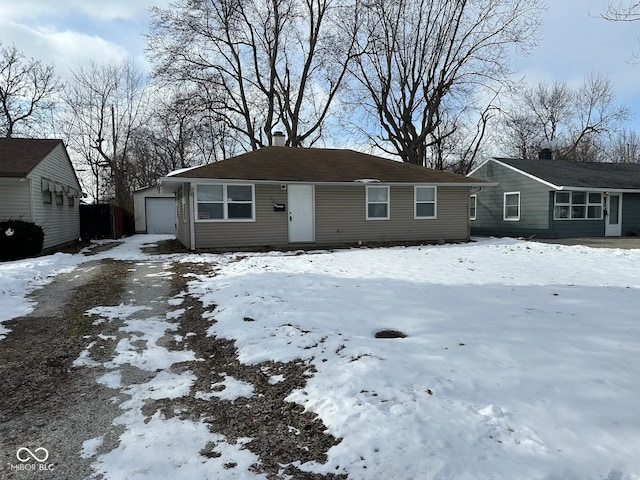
(161,215)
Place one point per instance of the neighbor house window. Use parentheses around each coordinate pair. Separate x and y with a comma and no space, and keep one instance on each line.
(47,197)
(562,208)
(473,204)
(577,206)
(377,203)
(59,198)
(425,202)
(511,206)
(70,200)
(594,205)
(225,202)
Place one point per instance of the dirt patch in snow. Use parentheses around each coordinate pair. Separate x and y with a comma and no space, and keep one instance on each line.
(44,402)
(281,432)
(47,402)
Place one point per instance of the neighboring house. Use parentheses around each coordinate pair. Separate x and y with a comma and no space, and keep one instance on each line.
(285,197)
(38,184)
(556,199)
(154,212)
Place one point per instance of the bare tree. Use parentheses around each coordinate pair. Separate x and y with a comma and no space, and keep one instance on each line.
(458,140)
(27,92)
(106,104)
(188,132)
(598,115)
(521,136)
(623,12)
(575,122)
(550,105)
(424,57)
(179,133)
(625,147)
(261,64)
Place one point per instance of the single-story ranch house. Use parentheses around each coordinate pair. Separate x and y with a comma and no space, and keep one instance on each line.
(286,197)
(38,184)
(550,198)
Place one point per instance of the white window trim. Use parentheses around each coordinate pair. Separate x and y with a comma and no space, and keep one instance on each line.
(504,207)
(225,203)
(570,206)
(388,202)
(475,206)
(415,203)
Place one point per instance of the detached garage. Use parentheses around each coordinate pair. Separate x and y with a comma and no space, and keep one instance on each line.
(154,212)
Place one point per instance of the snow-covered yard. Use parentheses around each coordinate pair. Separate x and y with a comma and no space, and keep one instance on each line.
(520,359)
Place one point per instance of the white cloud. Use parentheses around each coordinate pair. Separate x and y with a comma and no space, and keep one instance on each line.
(62,49)
(112,10)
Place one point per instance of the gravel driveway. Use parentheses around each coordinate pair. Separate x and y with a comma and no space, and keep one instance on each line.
(54,399)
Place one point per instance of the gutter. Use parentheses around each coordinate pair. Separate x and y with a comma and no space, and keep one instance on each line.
(166,181)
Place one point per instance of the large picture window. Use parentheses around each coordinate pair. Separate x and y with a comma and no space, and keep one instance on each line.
(377,203)
(222,202)
(511,206)
(425,202)
(577,206)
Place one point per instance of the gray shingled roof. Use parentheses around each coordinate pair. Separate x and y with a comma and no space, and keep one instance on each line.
(564,173)
(319,165)
(18,156)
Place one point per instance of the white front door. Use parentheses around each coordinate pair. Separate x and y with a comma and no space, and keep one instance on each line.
(613,221)
(301,213)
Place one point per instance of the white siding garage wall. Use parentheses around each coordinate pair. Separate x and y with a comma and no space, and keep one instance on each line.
(161,215)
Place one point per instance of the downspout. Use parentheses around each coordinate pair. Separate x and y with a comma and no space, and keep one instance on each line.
(469,190)
(32,201)
(192,216)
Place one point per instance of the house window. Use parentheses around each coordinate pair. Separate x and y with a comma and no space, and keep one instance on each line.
(239,202)
(562,208)
(577,206)
(425,202)
(377,203)
(47,197)
(473,204)
(511,206)
(225,202)
(59,199)
(594,205)
(70,200)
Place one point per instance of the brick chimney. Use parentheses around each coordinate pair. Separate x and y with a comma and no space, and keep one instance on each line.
(545,153)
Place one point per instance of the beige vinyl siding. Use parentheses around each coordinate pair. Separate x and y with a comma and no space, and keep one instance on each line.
(15,196)
(270,228)
(341,216)
(183,215)
(61,223)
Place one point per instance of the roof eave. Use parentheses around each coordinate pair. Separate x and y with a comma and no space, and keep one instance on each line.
(174,180)
(599,189)
(14,174)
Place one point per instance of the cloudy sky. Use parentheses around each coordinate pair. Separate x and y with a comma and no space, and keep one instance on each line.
(575,40)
